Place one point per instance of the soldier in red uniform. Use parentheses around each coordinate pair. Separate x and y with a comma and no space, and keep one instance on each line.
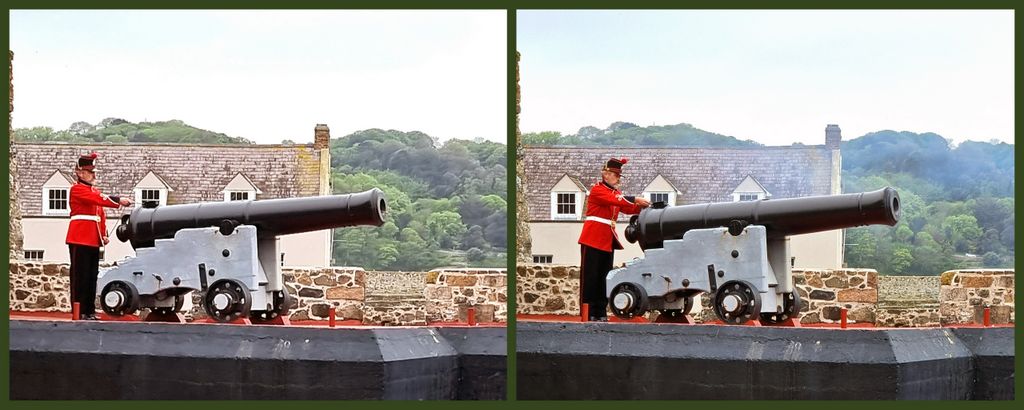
(599,240)
(87,234)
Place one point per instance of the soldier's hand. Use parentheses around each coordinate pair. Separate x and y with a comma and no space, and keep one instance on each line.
(643,202)
(126,202)
(106,240)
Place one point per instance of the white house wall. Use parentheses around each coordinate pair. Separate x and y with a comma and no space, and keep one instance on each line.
(307,248)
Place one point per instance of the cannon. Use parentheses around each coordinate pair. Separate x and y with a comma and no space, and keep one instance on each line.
(229,250)
(737,252)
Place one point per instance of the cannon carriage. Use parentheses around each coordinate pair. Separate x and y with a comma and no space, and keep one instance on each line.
(229,250)
(736,252)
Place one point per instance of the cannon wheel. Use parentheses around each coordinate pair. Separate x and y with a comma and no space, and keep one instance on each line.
(791,305)
(676,315)
(737,301)
(119,298)
(282,301)
(227,300)
(629,300)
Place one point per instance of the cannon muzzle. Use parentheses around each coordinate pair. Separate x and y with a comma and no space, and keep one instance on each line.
(271,217)
(781,217)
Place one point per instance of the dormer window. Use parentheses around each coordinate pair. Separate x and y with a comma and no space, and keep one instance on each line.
(659,197)
(150,198)
(661,190)
(750,190)
(567,199)
(240,188)
(151,191)
(55,195)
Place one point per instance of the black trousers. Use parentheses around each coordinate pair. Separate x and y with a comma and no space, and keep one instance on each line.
(594,268)
(85,267)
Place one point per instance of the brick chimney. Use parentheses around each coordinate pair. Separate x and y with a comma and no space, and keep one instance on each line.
(321,137)
(833,136)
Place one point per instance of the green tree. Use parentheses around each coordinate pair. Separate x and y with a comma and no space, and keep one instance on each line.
(902,258)
(861,247)
(962,231)
(446,228)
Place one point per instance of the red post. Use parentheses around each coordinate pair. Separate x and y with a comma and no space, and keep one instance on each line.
(75,309)
(988,316)
(331,318)
(471,316)
(584,312)
(842,318)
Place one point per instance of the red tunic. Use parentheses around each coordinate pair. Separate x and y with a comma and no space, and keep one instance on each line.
(86,200)
(605,203)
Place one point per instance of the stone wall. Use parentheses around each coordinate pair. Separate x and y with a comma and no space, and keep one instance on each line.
(547,289)
(377,298)
(892,301)
(826,291)
(908,301)
(964,294)
(523,241)
(315,291)
(451,292)
(15,238)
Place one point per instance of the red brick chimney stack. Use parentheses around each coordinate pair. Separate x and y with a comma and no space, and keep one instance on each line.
(833,136)
(321,137)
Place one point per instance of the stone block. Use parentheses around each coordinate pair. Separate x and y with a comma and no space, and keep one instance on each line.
(823,295)
(976,281)
(835,282)
(1003,281)
(815,282)
(552,304)
(872,279)
(325,280)
(311,293)
(810,318)
(322,310)
(349,311)
(831,312)
(862,315)
(858,295)
(953,294)
(438,293)
(345,292)
(460,280)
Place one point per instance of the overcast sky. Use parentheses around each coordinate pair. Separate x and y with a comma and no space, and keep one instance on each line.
(265,75)
(776,77)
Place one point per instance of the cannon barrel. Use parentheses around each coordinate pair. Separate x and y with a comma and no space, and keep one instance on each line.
(781,217)
(270,217)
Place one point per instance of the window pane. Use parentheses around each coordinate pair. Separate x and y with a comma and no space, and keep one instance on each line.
(57,199)
(566,204)
(659,197)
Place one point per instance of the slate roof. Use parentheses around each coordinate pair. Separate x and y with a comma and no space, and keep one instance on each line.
(197,173)
(702,174)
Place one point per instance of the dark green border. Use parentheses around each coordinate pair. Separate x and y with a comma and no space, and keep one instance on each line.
(510,156)
(488,4)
